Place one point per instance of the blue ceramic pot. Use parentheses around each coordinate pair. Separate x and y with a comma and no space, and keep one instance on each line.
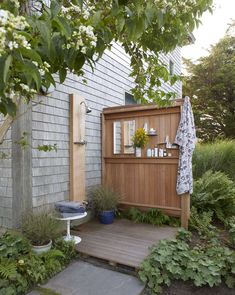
(106,217)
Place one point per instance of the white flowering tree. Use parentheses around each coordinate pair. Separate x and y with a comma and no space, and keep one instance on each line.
(62,37)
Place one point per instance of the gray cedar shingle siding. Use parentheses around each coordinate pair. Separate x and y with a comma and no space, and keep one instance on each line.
(6,182)
(50,125)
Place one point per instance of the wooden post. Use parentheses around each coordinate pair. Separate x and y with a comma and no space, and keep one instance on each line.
(77,151)
(102,149)
(185,210)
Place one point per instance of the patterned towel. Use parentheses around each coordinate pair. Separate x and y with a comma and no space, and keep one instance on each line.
(186,139)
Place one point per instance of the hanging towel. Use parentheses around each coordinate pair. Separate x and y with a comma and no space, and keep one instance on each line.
(186,139)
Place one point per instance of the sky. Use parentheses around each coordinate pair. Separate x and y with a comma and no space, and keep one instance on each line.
(212,29)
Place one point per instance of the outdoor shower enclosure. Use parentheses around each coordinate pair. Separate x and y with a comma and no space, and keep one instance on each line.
(145,182)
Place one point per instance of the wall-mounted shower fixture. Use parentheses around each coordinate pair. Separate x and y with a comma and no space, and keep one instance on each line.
(88,110)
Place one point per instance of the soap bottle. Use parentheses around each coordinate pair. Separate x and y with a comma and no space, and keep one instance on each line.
(164,153)
(149,152)
(156,152)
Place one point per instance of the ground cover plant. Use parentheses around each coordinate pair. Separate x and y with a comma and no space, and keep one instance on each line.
(151,216)
(203,264)
(21,269)
(205,256)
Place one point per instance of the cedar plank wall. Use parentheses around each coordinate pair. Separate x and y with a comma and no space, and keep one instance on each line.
(144,182)
(50,124)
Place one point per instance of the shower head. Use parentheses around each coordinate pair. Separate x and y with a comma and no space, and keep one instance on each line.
(88,110)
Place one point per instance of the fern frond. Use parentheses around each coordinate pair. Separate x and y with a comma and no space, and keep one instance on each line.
(8,269)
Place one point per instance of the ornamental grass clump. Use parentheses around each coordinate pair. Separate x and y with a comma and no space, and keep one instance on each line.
(216,156)
(140,138)
(104,198)
(40,227)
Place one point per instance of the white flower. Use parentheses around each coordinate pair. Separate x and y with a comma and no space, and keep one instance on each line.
(86,14)
(63,9)
(24,87)
(35,63)
(3,16)
(46,65)
(12,45)
(83,50)
(42,72)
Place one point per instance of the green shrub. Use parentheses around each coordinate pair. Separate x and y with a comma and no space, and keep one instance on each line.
(202,223)
(151,216)
(21,269)
(40,227)
(230,225)
(218,156)
(67,248)
(176,260)
(13,245)
(215,192)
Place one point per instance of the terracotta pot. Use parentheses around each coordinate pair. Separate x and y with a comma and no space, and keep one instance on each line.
(42,249)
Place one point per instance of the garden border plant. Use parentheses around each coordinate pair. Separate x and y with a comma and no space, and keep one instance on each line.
(21,269)
(205,264)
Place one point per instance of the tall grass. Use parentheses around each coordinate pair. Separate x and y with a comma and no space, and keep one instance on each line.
(217,156)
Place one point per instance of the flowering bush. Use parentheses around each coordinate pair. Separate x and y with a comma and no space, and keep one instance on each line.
(62,37)
(140,138)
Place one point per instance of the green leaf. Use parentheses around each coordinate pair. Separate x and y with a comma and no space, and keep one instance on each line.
(31,54)
(96,18)
(10,107)
(62,26)
(120,23)
(45,30)
(79,61)
(55,8)
(62,74)
(7,65)
(31,72)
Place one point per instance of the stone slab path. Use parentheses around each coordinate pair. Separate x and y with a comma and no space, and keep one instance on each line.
(82,278)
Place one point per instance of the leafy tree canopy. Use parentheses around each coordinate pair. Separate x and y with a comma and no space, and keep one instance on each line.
(211,84)
(63,37)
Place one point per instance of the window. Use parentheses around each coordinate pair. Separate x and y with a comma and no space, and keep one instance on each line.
(171,67)
(129,99)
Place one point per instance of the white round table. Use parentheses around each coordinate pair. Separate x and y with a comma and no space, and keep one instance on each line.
(68,237)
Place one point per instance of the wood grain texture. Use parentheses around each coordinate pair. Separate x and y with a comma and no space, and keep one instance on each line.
(123,242)
(145,182)
(77,152)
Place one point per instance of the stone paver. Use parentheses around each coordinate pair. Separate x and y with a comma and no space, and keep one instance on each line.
(82,278)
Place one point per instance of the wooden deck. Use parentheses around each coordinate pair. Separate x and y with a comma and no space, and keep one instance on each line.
(123,242)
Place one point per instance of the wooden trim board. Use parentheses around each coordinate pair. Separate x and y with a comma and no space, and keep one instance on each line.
(77,151)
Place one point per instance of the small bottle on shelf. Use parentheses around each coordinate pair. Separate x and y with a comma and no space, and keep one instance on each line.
(164,153)
(156,152)
(152,152)
(160,153)
(149,152)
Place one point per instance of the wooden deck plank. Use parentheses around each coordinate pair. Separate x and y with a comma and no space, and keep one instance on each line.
(123,242)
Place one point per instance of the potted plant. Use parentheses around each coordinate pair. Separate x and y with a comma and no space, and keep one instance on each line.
(104,202)
(40,228)
(140,139)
